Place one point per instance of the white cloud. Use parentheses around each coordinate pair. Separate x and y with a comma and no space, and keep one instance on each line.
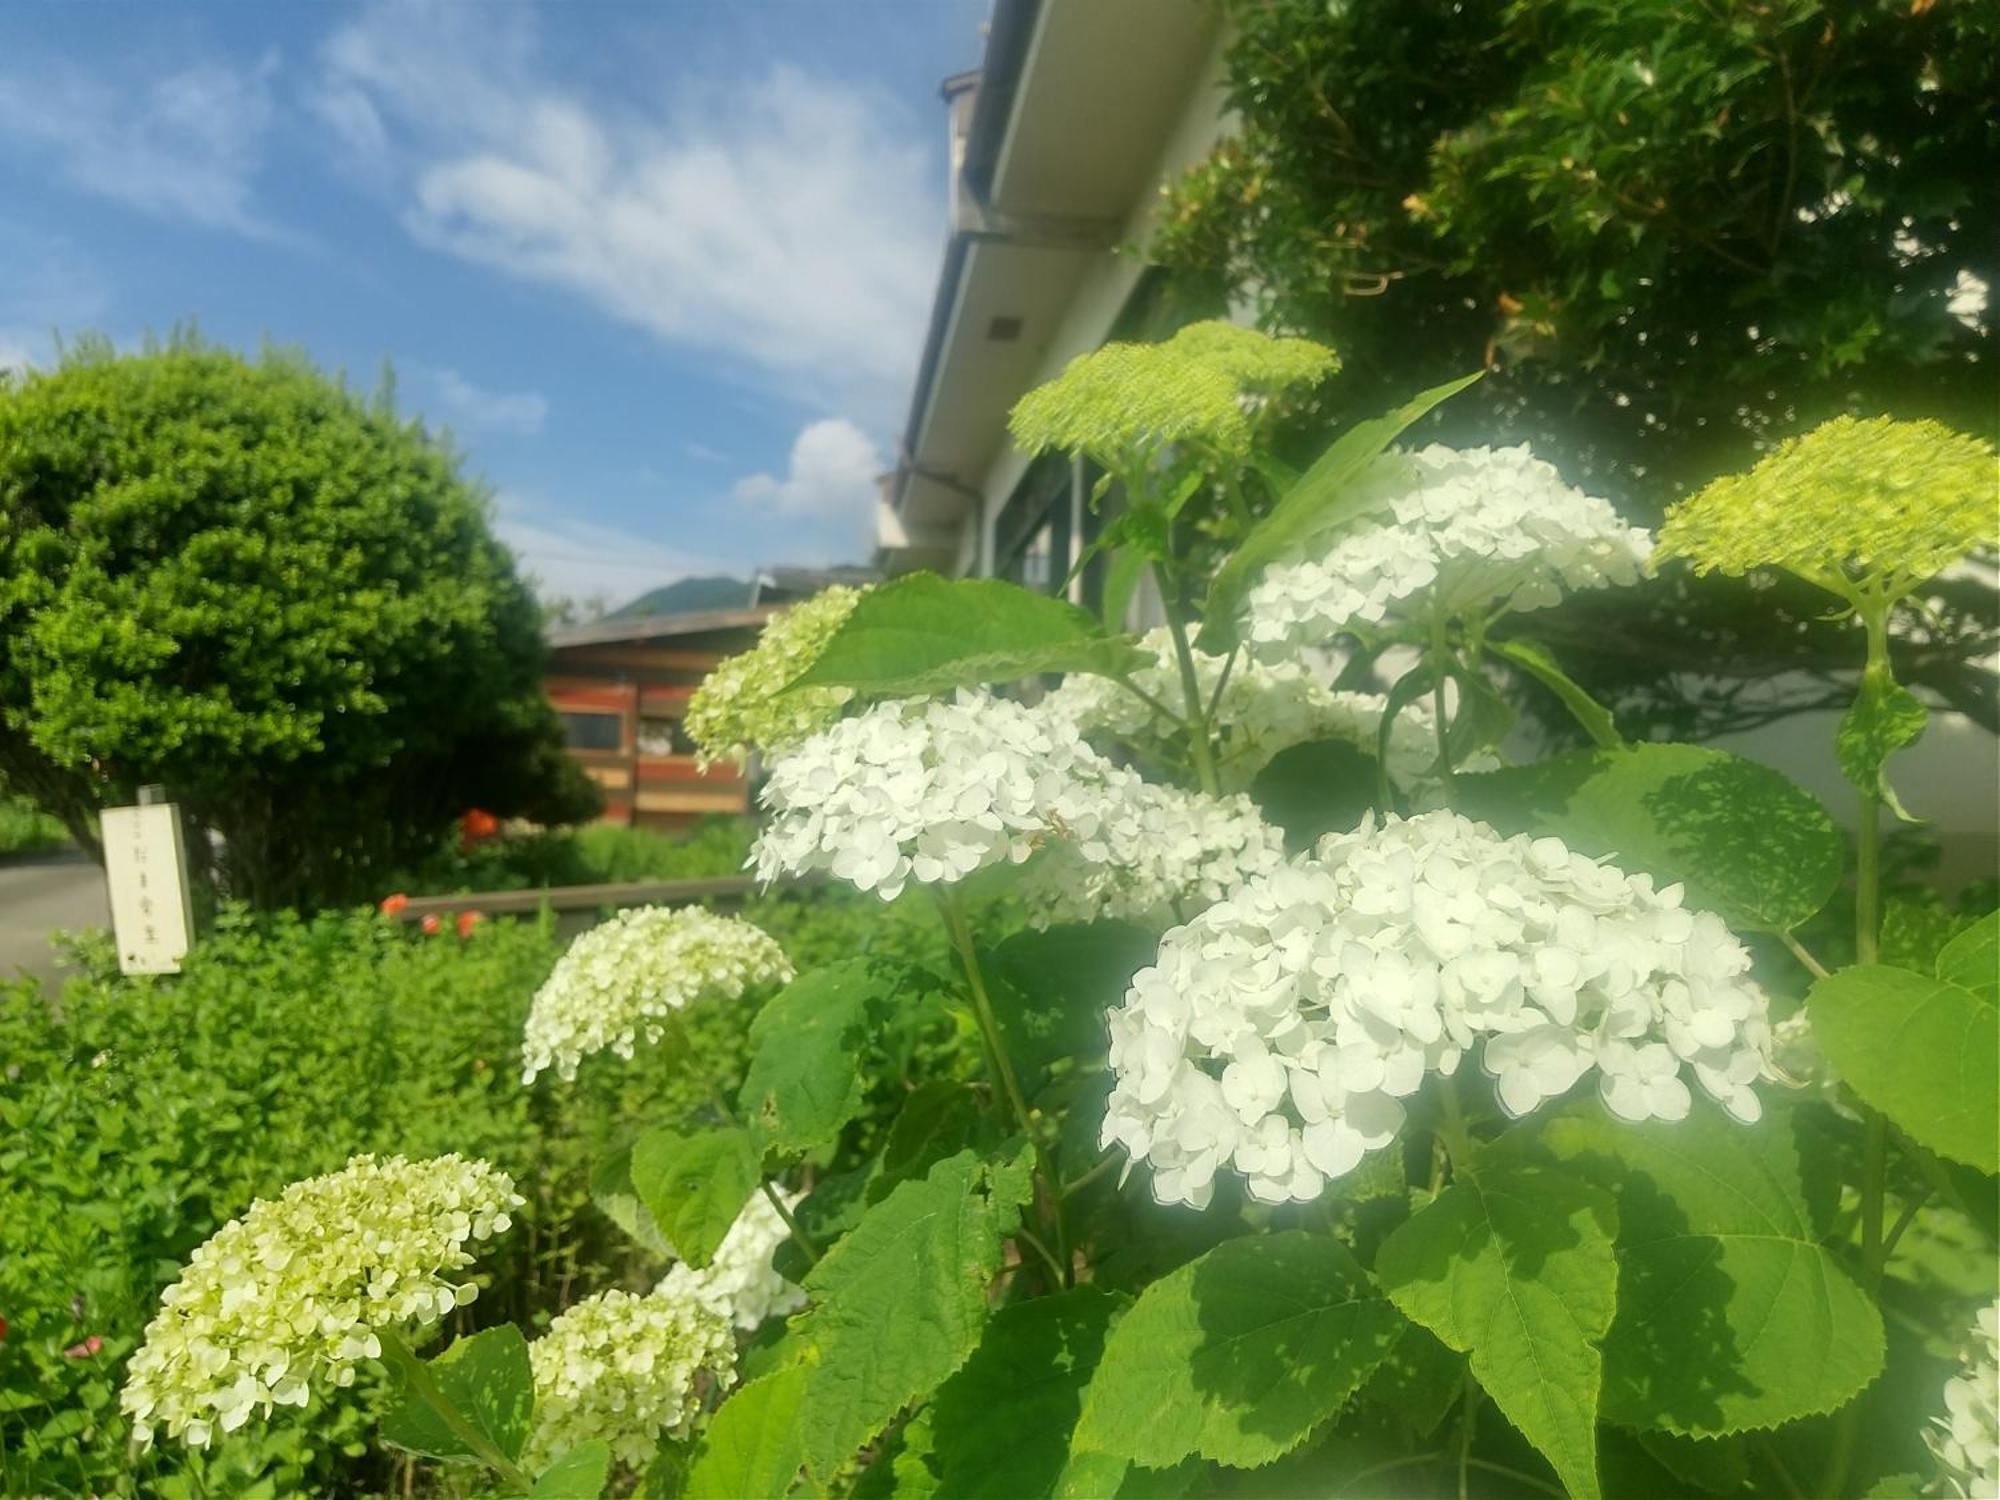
(185,143)
(831,479)
(704,453)
(571,559)
(785,222)
(521,412)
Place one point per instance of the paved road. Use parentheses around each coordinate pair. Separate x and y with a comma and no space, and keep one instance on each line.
(39,896)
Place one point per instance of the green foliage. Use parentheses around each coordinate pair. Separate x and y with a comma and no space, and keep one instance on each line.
(1731,1314)
(137,1115)
(1321,500)
(595,854)
(804,1082)
(26,829)
(484,1381)
(753,1447)
(242,582)
(1539,663)
(579,1474)
(1885,717)
(1925,1051)
(900,1302)
(1672,235)
(693,1184)
(1238,1355)
(1000,1426)
(1513,1265)
(1749,845)
(922,635)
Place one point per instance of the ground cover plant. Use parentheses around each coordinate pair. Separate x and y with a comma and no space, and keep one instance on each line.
(1312,1100)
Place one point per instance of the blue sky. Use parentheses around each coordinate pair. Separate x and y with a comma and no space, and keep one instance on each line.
(662,268)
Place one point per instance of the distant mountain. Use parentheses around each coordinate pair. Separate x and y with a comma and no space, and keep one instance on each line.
(686,596)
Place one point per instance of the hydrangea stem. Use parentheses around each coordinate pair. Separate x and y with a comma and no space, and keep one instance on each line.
(1874,613)
(1048,1202)
(1441,659)
(1196,717)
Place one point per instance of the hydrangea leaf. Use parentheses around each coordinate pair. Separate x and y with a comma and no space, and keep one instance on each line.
(1057,983)
(1001,1426)
(1540,663)
(922,635)
(940,1118)
(612,1191)
(693,1183)
(579,1474)
(1513,1265)
(1924,1051)
(803,1082)
(1750,846)
(753,1444)
(488,1382)
(1094,1476)
(1313,505)
(899,1304)
(1972,959)
(1419,1382)
(1731,1315)
(1884,718)
(1316,788)
(1238,1355)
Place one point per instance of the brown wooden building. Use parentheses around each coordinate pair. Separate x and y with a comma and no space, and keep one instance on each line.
(622,688)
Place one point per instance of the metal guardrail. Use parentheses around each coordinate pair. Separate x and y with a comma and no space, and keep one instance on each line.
(584,898)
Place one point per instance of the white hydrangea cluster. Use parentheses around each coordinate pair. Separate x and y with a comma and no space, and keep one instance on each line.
(1159,854)
(289,1298)
(1279,1030)
(626,1370)
(1479,529)
(930,790)
(740,1283)
(619,982)
(1966,1439)
(1266,707)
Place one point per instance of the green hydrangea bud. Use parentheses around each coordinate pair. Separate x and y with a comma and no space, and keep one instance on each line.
(738,707)
(1857,505)
(1197,386)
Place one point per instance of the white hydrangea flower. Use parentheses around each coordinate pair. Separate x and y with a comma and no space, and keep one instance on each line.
(1266,707)
(1966,1439)
(740,1283)
(626,1370)
(1479,529)
(619,981)
(930,790)
(1278,1031)
(1158,854)
(289,1298)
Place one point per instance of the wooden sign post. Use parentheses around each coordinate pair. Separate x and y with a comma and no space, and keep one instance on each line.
(145,866)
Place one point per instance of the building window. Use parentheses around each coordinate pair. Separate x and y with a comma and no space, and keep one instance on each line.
(593,731)
(1031,537)
(664,736)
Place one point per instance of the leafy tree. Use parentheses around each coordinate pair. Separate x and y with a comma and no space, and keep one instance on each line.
(1672,233)
(283,603)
